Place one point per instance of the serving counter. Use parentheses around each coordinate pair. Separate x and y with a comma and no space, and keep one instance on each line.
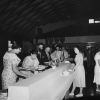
(51,84)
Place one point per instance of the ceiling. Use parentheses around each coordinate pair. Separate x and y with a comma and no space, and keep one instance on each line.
(21,17)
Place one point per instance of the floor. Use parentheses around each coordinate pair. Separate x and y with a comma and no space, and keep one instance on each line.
(90,91)
(88,94)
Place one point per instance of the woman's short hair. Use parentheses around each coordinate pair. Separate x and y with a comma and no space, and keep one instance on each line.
(79,48)
(15,46)
(29,52)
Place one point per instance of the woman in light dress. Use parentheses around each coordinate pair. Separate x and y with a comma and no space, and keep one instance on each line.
(30,64)
(79,74)
(97,71)
(10,72)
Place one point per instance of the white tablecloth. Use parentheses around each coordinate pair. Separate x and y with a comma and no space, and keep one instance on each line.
(47,85)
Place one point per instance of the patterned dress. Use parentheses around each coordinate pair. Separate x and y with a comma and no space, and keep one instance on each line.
(97,69)
(29,63)
(9,77)
(79,71)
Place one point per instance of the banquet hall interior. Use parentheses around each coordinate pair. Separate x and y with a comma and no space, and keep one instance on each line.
(67,23)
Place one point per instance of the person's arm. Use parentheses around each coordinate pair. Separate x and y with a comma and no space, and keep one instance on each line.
(99,62)
(16,71)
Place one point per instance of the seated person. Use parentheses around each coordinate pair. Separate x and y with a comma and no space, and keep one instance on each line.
(30,64)
(56,55)
(40,53)
(47,52)
(65,54)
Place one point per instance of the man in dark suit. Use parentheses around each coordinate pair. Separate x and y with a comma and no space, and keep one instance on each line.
(40,53)
(47,51)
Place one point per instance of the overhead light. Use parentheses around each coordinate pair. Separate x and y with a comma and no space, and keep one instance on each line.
(91,21)
(97,21)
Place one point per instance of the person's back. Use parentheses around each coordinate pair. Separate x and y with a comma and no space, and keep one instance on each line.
(27,62)
(9,60)
(8,75)
(79,59)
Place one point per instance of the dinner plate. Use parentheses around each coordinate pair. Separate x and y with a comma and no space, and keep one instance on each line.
(41,67)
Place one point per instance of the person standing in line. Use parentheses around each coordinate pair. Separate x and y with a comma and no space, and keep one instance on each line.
(97,70)
(10,71)
(79,79)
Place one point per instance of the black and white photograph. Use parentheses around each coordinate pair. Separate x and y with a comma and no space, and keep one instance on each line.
(49,49)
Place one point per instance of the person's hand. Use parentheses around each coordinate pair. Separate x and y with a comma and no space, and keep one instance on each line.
(26,76)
